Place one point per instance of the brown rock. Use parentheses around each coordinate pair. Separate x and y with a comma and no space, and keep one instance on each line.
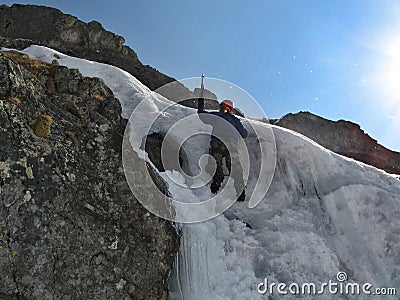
(343,137)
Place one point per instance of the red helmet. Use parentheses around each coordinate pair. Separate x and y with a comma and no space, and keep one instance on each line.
(227,104)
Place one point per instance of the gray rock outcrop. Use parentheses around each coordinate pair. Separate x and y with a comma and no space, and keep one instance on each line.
(69,226)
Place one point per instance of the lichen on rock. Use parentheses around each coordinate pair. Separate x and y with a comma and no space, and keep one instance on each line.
(43,125)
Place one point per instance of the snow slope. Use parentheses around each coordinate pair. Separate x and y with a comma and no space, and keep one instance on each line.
(323,214)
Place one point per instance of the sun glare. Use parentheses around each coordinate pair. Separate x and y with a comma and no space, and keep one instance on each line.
(391,73)
(384,81)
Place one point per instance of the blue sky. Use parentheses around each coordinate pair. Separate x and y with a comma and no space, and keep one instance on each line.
(337,59)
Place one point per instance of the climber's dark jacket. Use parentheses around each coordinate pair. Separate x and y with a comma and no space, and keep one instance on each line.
(221,129)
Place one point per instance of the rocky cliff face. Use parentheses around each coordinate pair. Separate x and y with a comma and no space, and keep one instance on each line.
(69,226)
(343,137)
(50,27)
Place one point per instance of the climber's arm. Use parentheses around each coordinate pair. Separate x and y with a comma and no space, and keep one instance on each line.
(239,126)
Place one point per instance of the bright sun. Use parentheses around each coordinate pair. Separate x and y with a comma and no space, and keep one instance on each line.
(390,75)
(387,84)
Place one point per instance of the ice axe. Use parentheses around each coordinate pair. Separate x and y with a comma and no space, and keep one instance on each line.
(202,86)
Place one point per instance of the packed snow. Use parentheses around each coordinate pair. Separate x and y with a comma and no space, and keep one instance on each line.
(323,214)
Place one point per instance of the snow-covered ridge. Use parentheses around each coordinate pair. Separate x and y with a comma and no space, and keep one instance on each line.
(322,214)
(124,86)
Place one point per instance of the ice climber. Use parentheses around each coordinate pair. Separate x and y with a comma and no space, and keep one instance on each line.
(224,123)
